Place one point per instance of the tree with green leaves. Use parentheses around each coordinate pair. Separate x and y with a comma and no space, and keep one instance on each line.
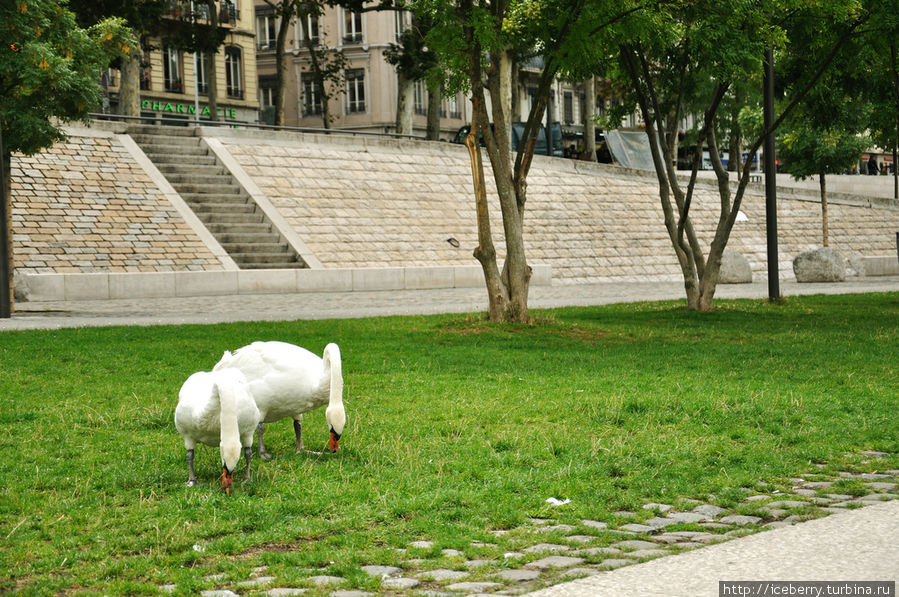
(692,53)
(49,75)
(413,61)
(474,41)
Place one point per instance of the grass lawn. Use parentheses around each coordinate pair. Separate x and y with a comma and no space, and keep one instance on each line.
(455,427)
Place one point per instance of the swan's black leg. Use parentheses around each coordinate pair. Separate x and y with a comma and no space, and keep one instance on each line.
(298,429)
(248,456)
(263,453)
(191,478)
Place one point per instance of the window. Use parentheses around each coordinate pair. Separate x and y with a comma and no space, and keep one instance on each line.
(312,97)
(233,83)
(403,22)
(568,107)
(355,90)
(202,82)
(171,69)
(312,28)
(229,12)
(145,78)
(352,33)
(600,105)
(419,104)
(266,32)
(452,107)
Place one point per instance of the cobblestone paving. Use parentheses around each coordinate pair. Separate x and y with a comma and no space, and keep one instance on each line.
(544,551)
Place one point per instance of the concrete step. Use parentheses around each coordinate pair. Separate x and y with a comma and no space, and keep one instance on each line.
(263,258)
(166,140)
(299,264)
(229,237)
(253,226)
(224,208)
(201,198)
(200,169)
(167,158)
(157,130)
(256,248)
(207,189)
(186,177)
(231,219)
(185,152)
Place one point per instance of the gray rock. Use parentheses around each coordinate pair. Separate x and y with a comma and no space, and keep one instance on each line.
(442,574)
(556,562)
(645,553)
(218,593)
(544,547)
(452,553)
(660,507)
(594,524)
(565,528)
(709,510)
(688,516)
(326,580)
(284,592)
(624,514)
(382,571)
(635,544)
(598,551)
(519,575)
(473,587)
(471,564)
(881,486)
(818,484)
(613,563)
(741,519)
(820,265)
(513,554)
(350,594)
(660,523)
(637,528)
(878,497)
(735,268)
(168,588)
(786,504)
(400,583)
(422,544)
(255,582)
(580,538)
(757,498)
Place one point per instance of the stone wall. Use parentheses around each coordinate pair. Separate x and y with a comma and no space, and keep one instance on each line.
(86,206)
(369,203)
(95,205)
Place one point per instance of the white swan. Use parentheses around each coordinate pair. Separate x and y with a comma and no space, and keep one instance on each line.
(216,408)
(286,380)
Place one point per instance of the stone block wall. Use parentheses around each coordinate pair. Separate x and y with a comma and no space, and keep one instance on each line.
(86,206)
(369,203)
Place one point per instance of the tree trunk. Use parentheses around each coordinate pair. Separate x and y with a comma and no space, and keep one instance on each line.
(516,93)
(211,79)
(435,98)
(129,96)
(505,87)
(280,45)
(6,237)
(404,104)
(589,124)
(485,252)
(824,234)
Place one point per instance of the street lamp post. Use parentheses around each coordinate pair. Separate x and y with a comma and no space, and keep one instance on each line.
(770,179)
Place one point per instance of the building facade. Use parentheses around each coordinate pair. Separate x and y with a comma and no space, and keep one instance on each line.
(367,98)
(174,84)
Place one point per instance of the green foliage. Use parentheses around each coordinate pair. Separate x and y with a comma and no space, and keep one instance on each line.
(808,152)
(49,69)
(456,426)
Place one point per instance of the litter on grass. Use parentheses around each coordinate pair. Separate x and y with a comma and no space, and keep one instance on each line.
(557,502)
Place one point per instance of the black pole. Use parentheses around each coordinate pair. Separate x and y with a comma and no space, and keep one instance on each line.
(5,304)
(770,179)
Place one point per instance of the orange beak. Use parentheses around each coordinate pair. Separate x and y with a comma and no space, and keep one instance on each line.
(227,481)
(334,442)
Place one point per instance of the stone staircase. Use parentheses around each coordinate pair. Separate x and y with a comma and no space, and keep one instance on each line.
(227,211)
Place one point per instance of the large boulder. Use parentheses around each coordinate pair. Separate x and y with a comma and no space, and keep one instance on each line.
(820,265)
(734,268)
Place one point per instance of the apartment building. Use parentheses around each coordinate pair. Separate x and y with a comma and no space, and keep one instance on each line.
(174,84)
(368,98)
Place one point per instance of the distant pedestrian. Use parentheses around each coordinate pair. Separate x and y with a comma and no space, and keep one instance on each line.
(872,166)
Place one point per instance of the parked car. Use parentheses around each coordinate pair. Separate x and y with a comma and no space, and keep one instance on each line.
(518,132)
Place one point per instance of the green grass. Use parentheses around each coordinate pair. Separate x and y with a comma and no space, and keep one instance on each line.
(456,427)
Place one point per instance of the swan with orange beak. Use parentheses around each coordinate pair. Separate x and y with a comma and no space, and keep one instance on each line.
(216,408)
(286,381)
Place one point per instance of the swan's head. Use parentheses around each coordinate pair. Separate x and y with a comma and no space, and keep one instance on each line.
(336,417)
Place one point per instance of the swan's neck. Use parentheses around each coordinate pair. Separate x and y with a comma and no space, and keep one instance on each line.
(331,360)
(230,434)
